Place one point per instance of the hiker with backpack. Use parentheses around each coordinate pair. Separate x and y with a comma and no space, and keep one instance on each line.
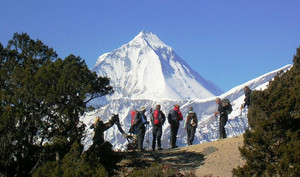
(224,108)
(158,119)
(190,124)
(247,102)
(174,117)
(133,128)
(140,120)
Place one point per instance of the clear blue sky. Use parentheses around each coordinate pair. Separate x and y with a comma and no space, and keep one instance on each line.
(228,42)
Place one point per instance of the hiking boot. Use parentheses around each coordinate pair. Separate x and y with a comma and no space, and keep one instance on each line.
(159,148)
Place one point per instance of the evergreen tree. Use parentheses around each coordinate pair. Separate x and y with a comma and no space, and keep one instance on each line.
(272,146)
(42,99)
(20,61)
(74,164)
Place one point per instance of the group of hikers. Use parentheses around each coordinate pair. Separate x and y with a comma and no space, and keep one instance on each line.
(158,118)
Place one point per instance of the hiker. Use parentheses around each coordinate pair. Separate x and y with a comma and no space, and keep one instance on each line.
(247,102)
(174,117)
(132,136)
(190,124)
(133,128)
(139,121)
(157,119)
(99,128)
(223,118)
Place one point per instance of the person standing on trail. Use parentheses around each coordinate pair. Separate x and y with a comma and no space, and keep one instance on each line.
(223,118)
(174,117)
(158,119)
(190,124)
(140,120)
(247,102)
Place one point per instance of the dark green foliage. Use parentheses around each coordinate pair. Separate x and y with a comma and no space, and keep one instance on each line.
(103,155)
(272,146)
(74,164)
(42,98)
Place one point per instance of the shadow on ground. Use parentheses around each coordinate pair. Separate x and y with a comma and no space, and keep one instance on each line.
(178,159)
(181,160)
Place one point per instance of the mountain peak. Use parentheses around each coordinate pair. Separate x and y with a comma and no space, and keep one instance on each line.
(145,33)
(150,38)
(146,68)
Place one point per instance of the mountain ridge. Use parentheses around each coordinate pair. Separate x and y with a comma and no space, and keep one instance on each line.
(207,129)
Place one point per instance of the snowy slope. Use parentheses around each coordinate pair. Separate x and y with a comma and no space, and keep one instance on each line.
(146,68)
(208,125)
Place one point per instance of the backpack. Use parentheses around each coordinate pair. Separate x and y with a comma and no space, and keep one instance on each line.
(226,104)
(156,117)
(172,117)
(133,128)
(133,112)
(192,120)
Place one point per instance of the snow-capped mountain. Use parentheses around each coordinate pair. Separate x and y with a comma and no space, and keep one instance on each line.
(146,68)
(207,129)
(132,71)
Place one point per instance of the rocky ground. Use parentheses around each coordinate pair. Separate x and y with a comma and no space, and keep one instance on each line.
(215,159)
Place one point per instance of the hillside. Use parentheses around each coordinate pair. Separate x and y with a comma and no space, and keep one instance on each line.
(215,158)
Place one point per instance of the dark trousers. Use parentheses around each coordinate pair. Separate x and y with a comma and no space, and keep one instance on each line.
(157,132)
(190,134)
(174,131)
(141,135)
(97,142)
(223,121)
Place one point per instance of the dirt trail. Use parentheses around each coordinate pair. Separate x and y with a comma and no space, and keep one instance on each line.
(220,156)
(217,158)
